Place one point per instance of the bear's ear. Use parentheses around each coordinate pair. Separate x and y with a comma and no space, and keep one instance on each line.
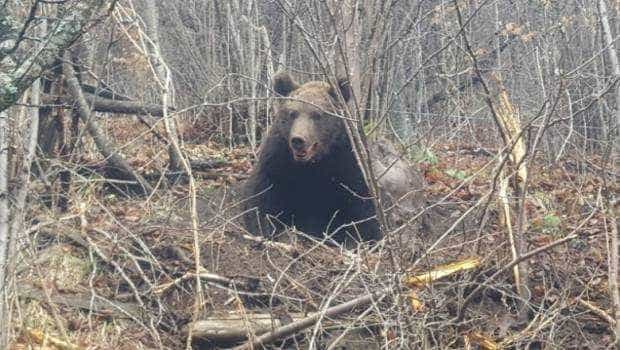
(284,84)
(345,89)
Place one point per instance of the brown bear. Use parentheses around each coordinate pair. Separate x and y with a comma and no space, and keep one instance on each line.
(307,175)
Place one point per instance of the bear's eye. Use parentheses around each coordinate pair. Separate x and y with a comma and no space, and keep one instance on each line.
(315,115)
(286,114)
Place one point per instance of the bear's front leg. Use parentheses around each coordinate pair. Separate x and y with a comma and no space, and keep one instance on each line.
(362,212)
(264,212)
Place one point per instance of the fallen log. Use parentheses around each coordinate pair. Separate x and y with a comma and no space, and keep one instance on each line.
(207,164)
(232,328)
(100,104)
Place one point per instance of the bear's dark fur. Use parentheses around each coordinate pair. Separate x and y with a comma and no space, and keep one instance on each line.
(307,175)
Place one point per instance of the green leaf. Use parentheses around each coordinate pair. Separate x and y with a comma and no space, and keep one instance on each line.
(551,221)
(457,174)
(425,155)
(369,126)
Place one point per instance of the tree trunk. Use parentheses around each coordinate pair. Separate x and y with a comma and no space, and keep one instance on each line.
(614,254)
(4,227)
(612,53)
(18,209)
(105,147)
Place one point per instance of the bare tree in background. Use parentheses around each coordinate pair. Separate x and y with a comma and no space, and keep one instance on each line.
(152,46)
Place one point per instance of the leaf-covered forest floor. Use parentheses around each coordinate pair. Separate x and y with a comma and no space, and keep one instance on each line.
(117,272)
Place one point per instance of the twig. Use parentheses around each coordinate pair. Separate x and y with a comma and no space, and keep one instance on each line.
(598,311)
(36,227)
(208,277)
(269,243)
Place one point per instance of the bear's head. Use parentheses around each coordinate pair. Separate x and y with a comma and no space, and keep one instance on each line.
(310,116)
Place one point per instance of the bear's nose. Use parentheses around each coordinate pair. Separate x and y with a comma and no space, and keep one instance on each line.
(297,143)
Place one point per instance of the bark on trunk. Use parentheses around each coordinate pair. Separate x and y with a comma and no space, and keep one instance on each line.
(4,226)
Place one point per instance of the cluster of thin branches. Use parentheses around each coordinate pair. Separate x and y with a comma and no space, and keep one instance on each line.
(472,75)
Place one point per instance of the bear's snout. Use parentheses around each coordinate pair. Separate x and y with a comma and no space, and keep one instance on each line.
(302,150)
(298,144)
(303,140)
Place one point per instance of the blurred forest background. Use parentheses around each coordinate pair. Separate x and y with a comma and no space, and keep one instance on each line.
(124,123)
